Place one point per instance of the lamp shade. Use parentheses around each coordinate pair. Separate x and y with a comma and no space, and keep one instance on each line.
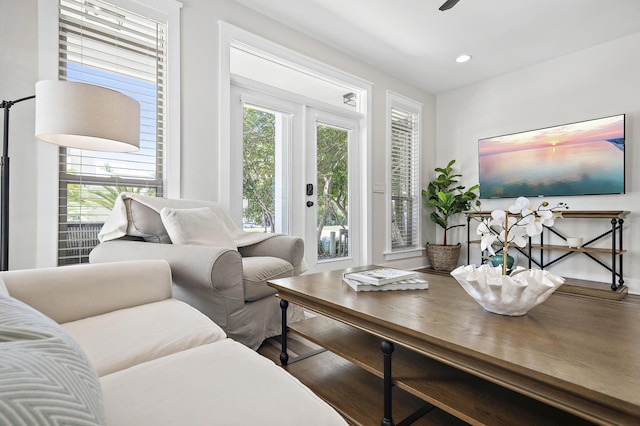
(85,116)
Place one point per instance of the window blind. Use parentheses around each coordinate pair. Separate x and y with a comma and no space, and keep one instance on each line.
(405,195)
(106,45)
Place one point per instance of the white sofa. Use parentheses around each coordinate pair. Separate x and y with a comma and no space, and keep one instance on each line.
(118,349)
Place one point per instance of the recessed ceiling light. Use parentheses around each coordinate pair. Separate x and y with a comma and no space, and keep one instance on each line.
(463,58)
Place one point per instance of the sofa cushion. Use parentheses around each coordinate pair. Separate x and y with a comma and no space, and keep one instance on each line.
(199,226)
(126,337)
(45,378)
(257,270)
(223,383)
(145,222)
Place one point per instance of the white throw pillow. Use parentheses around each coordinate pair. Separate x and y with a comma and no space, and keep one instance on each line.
(200,226)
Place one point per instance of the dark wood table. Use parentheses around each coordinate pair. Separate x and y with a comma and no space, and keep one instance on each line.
(571,360)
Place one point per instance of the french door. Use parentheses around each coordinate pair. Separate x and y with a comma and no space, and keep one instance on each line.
(296,171)
(332,166)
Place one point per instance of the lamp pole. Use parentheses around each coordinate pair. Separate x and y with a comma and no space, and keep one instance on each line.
(4,187)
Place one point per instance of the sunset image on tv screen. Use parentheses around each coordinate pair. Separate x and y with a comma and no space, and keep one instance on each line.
(584,158)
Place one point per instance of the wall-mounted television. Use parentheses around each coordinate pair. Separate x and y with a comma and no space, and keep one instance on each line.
(584,158)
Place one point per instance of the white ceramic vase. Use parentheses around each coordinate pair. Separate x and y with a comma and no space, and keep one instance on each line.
(513,294)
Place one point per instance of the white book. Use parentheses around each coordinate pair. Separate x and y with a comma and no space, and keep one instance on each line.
(380,275)
(408,284)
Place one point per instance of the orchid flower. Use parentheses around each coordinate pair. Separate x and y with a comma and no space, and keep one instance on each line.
(488,237)
(520,221)
(513,226)
(521,204)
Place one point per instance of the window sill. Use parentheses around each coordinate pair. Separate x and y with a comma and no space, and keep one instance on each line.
(404,254)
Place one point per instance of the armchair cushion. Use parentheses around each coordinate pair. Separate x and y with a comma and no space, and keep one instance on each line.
(199,226)
(257,270)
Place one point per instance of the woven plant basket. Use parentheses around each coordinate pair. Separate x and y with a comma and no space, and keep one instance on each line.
(443,258)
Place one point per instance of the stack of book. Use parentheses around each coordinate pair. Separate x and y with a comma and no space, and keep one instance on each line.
(384,279)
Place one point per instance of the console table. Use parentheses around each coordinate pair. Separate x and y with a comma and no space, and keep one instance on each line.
(615,251)
(571,360)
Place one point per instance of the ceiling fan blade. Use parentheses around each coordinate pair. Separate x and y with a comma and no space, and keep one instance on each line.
(448,4)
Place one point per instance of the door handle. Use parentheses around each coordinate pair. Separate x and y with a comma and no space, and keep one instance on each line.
(309,189)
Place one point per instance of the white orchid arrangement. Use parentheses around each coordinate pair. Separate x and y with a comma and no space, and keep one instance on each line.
(522,220)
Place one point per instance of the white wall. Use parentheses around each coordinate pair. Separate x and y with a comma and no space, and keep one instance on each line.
(200,109)
(18,75)
(598,82)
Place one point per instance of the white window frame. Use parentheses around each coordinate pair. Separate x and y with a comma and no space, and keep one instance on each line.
(313,118)
(47,154)
(287,113)
(395,100)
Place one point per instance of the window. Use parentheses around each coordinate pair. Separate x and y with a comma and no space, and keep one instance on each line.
(403,141)
(265,169)
(107,45)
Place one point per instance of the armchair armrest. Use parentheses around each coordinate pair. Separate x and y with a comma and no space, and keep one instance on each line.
(75,292)
(201,267)
(284,247)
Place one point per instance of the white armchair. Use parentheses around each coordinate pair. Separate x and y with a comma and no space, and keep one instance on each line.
(226,283)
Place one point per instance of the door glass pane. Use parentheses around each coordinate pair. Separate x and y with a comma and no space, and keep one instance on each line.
(264,183)
(332,192)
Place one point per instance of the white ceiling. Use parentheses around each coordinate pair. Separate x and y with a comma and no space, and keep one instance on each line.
(414,41)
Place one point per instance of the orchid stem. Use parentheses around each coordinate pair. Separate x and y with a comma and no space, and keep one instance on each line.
(506,244)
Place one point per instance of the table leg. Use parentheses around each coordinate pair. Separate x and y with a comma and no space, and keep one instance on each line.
(614,222)
(387,351)
(284,356)
(620,245)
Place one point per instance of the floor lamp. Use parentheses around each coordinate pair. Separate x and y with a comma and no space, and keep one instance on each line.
(74,115)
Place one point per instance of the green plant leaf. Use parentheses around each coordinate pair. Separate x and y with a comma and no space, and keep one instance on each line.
(447,197)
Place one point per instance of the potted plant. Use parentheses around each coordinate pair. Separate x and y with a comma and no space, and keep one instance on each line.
(447,198)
